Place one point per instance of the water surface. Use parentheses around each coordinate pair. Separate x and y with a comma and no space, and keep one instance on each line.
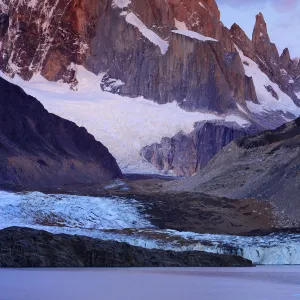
(260,283)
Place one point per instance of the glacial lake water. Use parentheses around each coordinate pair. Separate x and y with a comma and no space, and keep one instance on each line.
(259,283)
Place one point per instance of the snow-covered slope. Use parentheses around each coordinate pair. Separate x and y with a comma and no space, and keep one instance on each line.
(267,103)
(124,125)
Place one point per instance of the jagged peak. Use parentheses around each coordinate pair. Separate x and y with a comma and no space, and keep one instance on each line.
(286,54)
(260,15)
(285,59)
(235,26)
(237,31)
(260,29)
(296,61)
(212,7)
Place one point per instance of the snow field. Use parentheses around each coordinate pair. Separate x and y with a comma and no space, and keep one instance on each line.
(124,125)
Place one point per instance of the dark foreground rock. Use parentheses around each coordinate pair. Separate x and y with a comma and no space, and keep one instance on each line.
(24,247)
(39,149)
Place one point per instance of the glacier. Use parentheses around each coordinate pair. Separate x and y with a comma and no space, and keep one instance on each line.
(124,125)
(125,220)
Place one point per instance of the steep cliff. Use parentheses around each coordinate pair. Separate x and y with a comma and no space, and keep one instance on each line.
(39,149)
(133,42)
(185,154)
(281,70)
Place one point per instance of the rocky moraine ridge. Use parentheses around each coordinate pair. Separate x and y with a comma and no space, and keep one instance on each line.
(264,167)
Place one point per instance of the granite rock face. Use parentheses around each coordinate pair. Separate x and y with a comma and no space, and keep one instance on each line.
(282,70)
(55,36)
(134,43)
(106,38)
(134,46)
(39,149)
(185,154)
(27,248)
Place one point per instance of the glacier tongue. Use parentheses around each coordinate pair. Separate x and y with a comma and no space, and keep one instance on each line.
(124,125)
(67,211)
(125,221)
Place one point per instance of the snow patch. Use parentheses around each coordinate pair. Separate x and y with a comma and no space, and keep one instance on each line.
(194,35)
(267,103)
(132,19)
(121,3)
(202,5)
(180,25)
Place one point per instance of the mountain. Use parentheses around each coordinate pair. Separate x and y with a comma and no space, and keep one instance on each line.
(264,166)
(281,69)
(173,53)
(39,149)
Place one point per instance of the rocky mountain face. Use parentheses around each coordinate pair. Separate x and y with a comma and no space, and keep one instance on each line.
(165,51)
(39,149)
(133,42)
(185,154)
(281,69)
(264,166)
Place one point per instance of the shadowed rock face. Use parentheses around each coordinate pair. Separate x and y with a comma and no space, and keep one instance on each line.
(185,154)
(24,247)
(4,23)
(266,166)
(95,34)
(39,149)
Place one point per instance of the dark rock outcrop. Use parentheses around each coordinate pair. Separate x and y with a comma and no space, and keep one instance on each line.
(24,247)
(270,89)
(185,154)
(4,24)
(265,166)
(38,149)
(285,59)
